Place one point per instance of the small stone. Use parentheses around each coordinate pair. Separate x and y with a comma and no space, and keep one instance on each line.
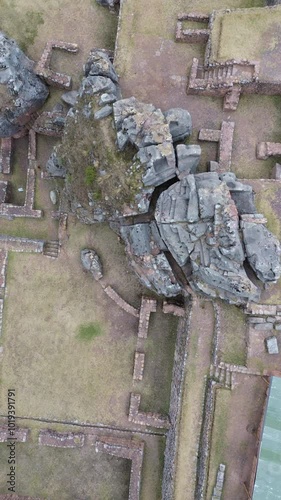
(277,326)
(103,112)
(253,319)
(70,98)
(53,197)
(271,345)
(107,99)
(20,190)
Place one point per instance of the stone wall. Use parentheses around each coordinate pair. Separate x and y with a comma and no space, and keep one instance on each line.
(129,449)
(180,357)
(61,439)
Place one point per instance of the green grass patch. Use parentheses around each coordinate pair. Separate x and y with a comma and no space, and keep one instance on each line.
(23,26)
(240,34)
(232,347)
(90,331)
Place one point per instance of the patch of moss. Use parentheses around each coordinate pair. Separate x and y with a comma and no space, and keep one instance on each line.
(23,27)
(89,331)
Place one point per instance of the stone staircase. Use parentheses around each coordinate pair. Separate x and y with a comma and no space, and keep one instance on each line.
(51,248)
(222,375)
(216,73)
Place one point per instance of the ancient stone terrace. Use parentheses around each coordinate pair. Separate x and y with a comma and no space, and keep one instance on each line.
(20,435)
(147,307)
(8,210)
(224,138)
(43,69)
(61,439)
(130,450)
(5,155)
(195,35)
(149,419)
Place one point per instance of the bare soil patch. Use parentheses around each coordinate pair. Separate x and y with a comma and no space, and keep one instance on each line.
(234,439)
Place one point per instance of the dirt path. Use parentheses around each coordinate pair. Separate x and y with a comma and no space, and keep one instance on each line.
(197,369)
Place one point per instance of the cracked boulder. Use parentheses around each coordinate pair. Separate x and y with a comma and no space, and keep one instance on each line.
(199,223)
(22,92)
(145,249)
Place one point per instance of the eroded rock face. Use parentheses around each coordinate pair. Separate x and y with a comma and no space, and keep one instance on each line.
(91,262)
(22,92)
(198,223)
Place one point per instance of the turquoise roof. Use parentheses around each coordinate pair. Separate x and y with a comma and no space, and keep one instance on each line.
(268,478)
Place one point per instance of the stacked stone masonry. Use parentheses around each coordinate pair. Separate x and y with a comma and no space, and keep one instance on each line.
(121,302)
(217,492)
(147,307)
(3,267)
(43,70)
(138,365)
(11,211)
(5,155)
(3,191)
(19,435)
(225,139)
(173,309)
(61,439)
(192,35)
(228,80)
(129,449)
(148,419)
(15,244)
(267,149)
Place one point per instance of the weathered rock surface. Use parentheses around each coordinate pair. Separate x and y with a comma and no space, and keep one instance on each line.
(180,124)
(99,64)
(199,223)
(103,112)
(145,248)
(70,97)
(263,251)
(22,92)
(54,166)
(145,127)
(108,3)
(91,262)
(188,159)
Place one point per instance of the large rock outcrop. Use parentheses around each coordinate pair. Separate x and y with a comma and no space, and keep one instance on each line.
(21,91)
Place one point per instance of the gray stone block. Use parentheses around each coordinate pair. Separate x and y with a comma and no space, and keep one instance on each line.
(272,345)
(103,112)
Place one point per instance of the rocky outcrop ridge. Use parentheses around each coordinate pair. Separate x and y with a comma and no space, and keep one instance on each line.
(22,92)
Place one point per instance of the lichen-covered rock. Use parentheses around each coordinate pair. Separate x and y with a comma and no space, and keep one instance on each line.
(188,158)
(54,166)
(180,124)
(99,63)
(22,92)
(263,251)
(91,262)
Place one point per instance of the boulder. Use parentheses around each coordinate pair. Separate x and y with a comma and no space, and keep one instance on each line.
(91,262)
(54,166)
(180,124)
(263,251)
(22,92)
(108,3)
(103,112)
(188,159)
(99,63)
(70,98)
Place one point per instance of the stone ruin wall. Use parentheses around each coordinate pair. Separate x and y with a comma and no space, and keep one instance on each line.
(168,482)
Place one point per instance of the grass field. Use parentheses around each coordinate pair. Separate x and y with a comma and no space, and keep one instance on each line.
(232,344)
(64,474)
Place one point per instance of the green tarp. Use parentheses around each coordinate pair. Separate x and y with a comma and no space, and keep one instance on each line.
(268,478)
